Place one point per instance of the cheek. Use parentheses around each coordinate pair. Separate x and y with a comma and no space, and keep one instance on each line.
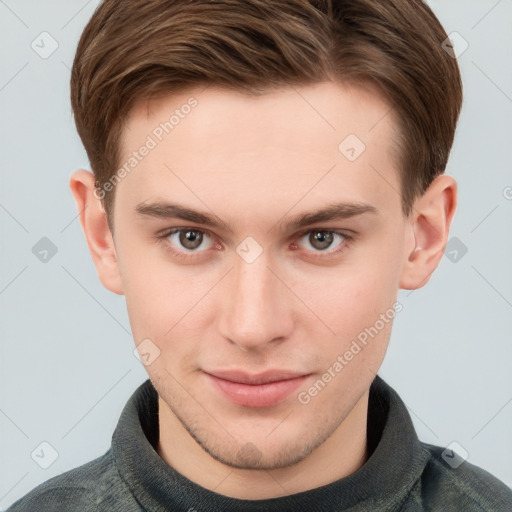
(350,300)
(349,297)
(152,286)
(163,305)
(153,296)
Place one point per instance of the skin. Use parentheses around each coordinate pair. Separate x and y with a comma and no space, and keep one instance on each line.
(256,162)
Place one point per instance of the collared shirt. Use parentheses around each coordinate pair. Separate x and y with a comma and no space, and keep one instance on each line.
(401,473)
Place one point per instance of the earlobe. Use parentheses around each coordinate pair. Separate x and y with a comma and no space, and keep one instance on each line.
(427,232)
(96,230)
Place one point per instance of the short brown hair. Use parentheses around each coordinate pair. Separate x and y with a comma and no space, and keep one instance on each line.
(133,49)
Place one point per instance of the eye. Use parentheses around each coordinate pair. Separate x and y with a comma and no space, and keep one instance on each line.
(190,239)
(186,242)
(190,242)
(322,239)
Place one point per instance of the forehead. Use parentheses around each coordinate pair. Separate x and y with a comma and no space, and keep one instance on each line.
(325,141)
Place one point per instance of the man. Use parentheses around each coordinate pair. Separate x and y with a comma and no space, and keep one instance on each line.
(267,176)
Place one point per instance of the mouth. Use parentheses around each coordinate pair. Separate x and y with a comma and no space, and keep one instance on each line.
(260,390)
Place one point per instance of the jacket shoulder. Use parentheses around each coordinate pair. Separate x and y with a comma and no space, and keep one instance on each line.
(85,488)
(55,498)
(457,485)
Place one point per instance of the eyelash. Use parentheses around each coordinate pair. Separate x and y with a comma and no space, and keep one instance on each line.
(347,242)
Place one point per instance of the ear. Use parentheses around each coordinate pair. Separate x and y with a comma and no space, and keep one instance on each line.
(97,232)
(427,232)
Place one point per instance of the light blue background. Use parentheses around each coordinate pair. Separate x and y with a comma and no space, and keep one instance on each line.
(67,365)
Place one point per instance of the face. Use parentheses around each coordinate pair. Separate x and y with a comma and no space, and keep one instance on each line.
(247,288)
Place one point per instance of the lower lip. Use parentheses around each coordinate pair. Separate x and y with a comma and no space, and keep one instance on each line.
(260,395)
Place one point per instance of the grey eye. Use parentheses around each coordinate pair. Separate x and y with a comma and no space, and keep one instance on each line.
(189,239)
(321,239)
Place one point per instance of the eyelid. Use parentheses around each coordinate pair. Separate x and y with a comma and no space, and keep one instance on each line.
(344,232)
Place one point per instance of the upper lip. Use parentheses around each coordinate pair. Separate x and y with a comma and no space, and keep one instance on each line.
(257,378)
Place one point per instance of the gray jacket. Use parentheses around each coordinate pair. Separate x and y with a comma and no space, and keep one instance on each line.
(402,474)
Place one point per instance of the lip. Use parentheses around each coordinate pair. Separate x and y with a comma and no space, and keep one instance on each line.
(259,390)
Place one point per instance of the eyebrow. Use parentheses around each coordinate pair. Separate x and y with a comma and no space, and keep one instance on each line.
(336,211)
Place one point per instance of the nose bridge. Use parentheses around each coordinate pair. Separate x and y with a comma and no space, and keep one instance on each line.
(256,312)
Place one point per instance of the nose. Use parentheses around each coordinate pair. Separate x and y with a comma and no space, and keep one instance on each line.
(258,310)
